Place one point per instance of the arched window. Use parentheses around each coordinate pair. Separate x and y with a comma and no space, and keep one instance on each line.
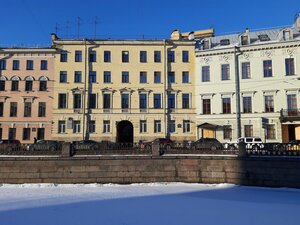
(2,83)
(15,83)
(28,83)
(43,83)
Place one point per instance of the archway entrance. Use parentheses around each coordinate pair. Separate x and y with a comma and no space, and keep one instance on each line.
(125,132)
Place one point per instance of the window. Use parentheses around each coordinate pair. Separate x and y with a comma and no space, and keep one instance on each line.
(185,101)
(107,56)
(186,126)
(27,109)
(106,101)
(206,106)
(107,77)
(63,77)
(157,77)
(92,77)
(171,101)
(143,126)
(225,72)
(13,109)
(206,44)
(29,65)
(289,66)
(93,56)
(44,64)
(226,105)
(143,101)
(185,77)
(205,73)
(16,64)
(271,132)
(292,104)
(224,42)
(106,126)
(62,101)
(143,77)
(267,68)
(77,76)
(78,56)
(77,101)
(157,126)
(125,56)
(1,109)
(269,103)
(171,126)
(28,83)
(92,101)
(2,83)
(227,132)
(157,101)
(42,109)
(263,37)
(26,133)
(12,133)
(2,64)
(76,126)
(125,77)
(1,132)
(171,56)
(43,84)
(125,101)
(61,126)
(244,40)
(247,104)
(15,84)
(143,56)
(185,56)
(64,56)
(246,72)
(157,56)
(286,35)
(248,129)
(92,126)
(171,77)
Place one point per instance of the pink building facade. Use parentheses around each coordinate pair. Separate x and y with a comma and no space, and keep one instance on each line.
(26,94)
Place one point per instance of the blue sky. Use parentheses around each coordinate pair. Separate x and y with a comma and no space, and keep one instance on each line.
(31,22)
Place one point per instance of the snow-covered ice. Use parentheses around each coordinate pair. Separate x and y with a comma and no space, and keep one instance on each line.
(147,204)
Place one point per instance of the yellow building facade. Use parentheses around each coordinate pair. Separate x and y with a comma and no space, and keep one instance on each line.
(124,90)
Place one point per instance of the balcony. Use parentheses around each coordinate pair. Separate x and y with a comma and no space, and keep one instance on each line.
(287,115)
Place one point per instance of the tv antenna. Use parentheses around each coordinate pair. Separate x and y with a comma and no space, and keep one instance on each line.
(79,22)
(67,28)
(95,22)
(56,28)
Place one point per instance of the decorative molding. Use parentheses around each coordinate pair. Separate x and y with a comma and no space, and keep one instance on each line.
(225,58)
(267,53)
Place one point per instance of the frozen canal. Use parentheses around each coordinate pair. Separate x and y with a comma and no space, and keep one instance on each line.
(147,204)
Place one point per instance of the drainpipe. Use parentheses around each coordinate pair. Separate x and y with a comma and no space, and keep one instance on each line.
(237,52)
(84,91)
(165,89)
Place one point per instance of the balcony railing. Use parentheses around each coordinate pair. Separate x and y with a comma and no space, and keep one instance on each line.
(289,115)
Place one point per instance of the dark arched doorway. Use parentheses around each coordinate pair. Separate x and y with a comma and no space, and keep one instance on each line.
(125,132)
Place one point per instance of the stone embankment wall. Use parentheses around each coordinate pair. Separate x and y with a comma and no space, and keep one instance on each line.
(260,171)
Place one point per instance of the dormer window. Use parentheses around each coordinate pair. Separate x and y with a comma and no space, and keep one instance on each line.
(225,42)
(244,40)
(287,35)
(206,44)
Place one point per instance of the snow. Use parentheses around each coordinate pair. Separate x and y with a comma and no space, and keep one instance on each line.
(145,204)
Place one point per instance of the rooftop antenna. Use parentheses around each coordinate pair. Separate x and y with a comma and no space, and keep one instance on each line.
(67,28)
(79,21)
(56,28)
(96,22)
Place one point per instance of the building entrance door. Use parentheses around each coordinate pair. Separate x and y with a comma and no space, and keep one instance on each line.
(208,133)
(124,132)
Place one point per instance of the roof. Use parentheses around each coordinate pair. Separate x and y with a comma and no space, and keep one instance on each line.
(256,37)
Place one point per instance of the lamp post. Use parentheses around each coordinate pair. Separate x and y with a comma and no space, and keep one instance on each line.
(237,53)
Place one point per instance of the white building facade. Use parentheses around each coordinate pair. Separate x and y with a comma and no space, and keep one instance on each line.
(263,67)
